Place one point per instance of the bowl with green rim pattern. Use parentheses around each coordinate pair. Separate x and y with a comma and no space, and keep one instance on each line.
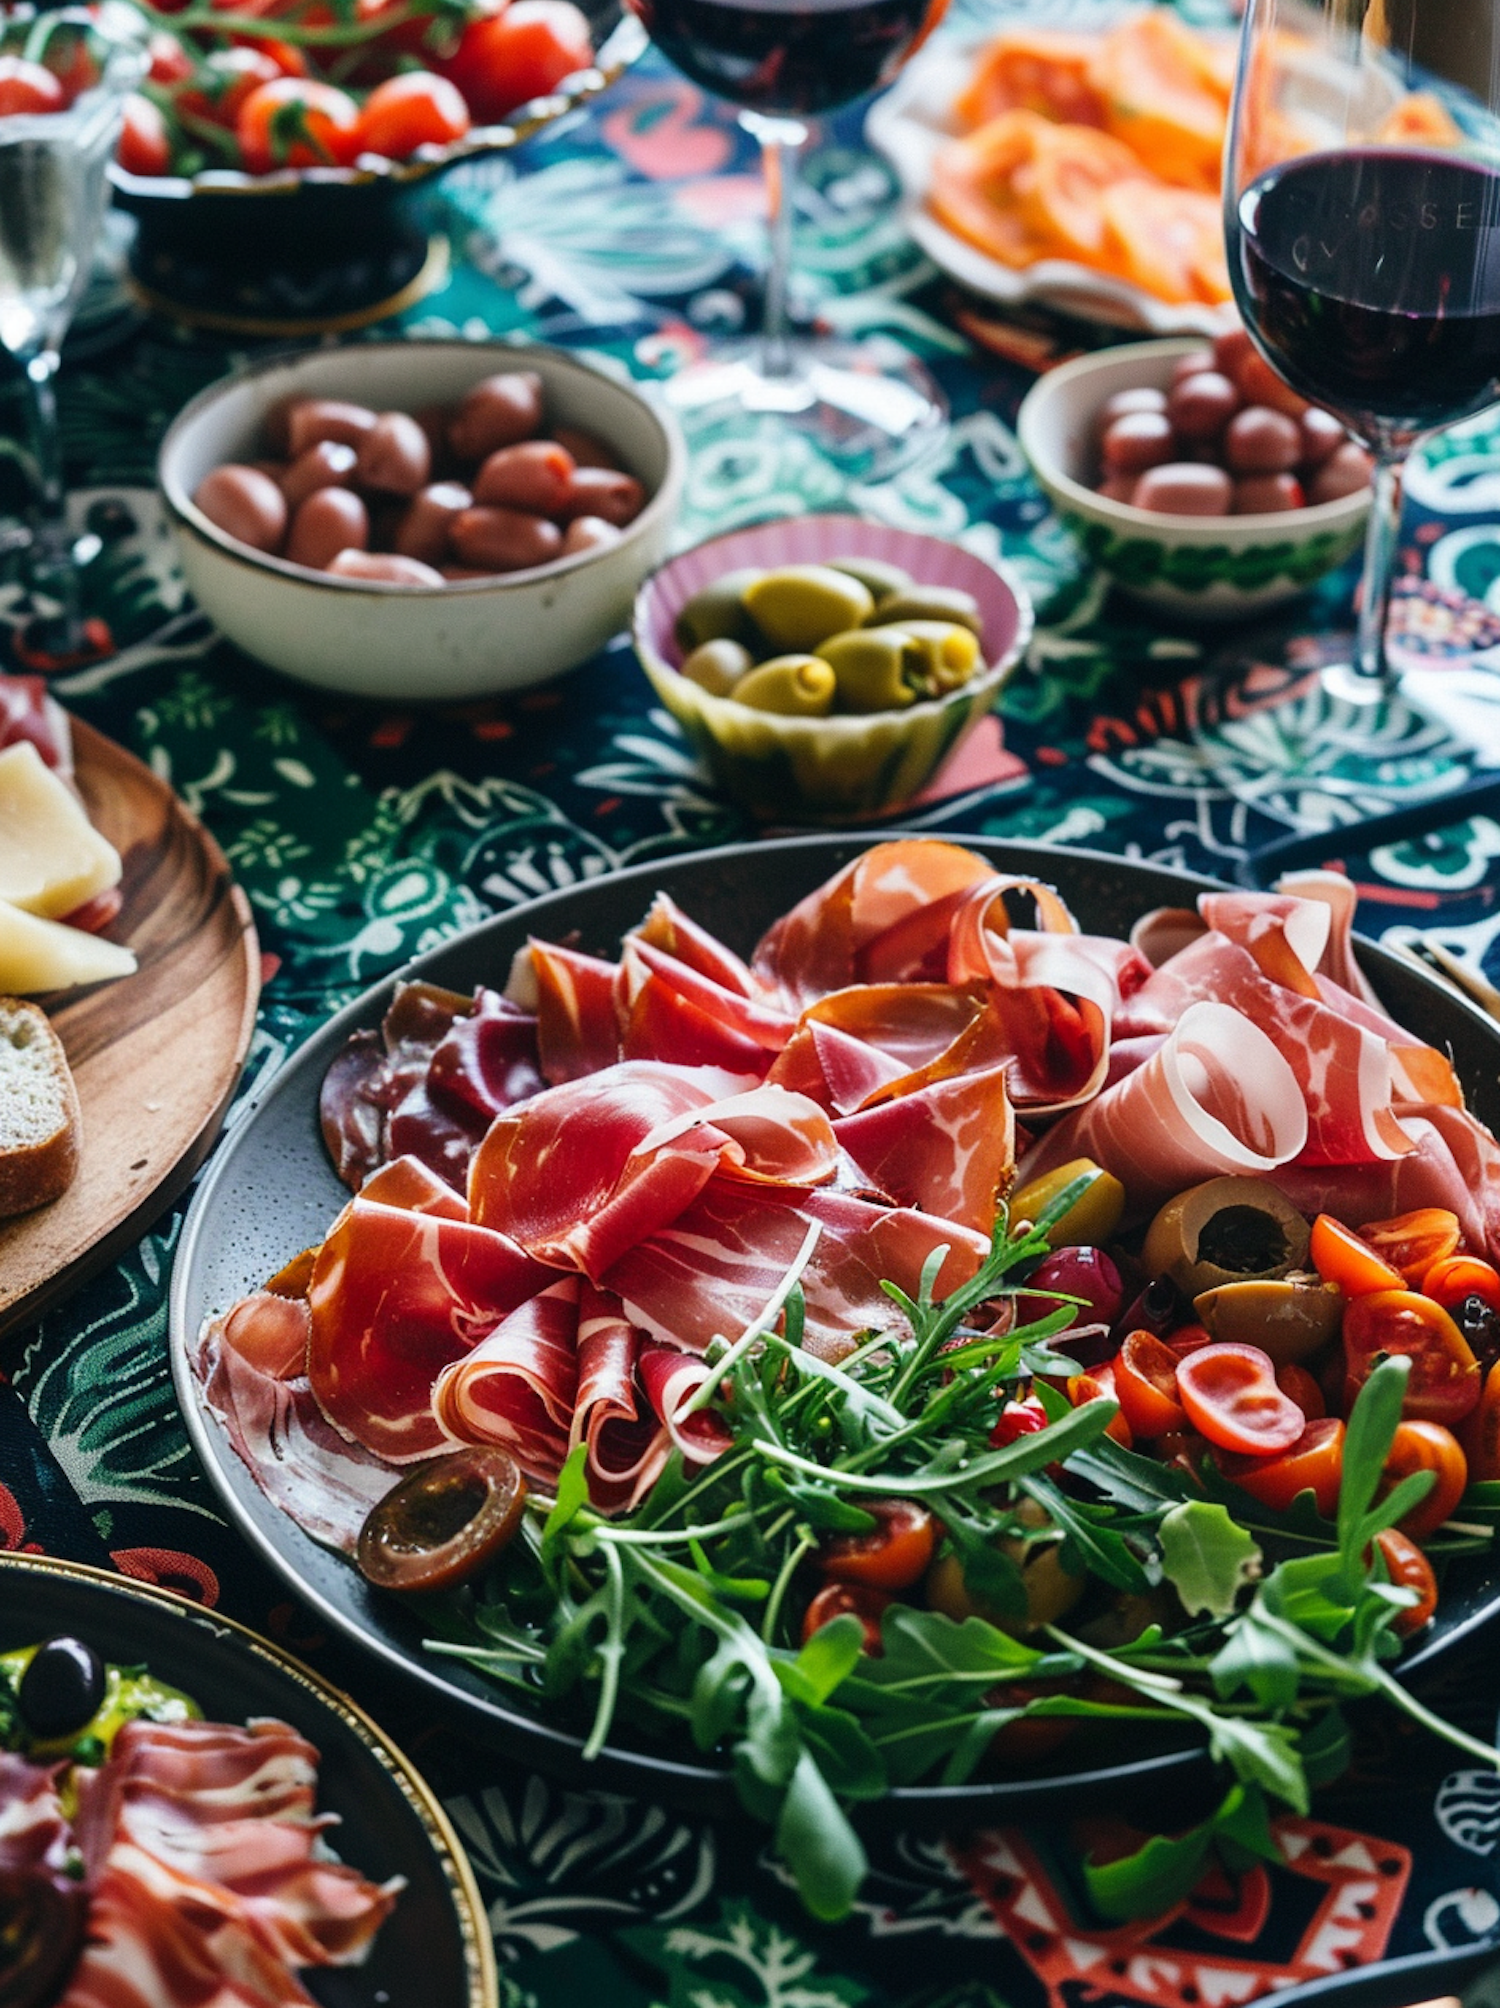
(1208,568)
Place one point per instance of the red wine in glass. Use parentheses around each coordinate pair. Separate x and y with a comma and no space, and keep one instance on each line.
(800,57)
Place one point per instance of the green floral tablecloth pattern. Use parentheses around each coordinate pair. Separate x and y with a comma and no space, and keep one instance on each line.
(363,835)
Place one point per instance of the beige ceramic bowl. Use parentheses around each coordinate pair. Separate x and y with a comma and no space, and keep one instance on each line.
(1205,567)
(827,769)
(403,643)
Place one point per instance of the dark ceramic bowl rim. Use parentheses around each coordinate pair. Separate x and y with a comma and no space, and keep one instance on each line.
(620,1766)
(624,45)
(189,520)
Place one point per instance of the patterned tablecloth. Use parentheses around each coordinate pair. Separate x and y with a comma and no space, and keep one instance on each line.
(363,835)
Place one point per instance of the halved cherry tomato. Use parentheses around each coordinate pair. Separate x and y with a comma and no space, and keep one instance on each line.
(1481,1431)
(28,87)
(444,1521)
(1426,1446)
(1455,1277)
(1412,1242)
(224,79)
(295,122)
(1407,1566)
(145,146)
(892,1556)
(522,52)
(1185,1339)
(1444,1383)
(1098,1384)
(1315,1463)
(1231,1397)
(1340,1256)
(1297,1382)
(858,1600)
(412,110)
(1018,1418)
(1146,1381)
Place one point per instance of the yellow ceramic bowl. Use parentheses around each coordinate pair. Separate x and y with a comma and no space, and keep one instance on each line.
(827,769)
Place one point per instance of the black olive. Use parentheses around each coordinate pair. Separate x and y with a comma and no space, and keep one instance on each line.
(41,1935)
(61,1688)
(443,1521)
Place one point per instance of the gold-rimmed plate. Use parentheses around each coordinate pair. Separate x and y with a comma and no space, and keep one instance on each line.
(435,1946)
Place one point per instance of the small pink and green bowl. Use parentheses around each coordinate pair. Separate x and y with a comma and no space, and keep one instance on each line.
(835,769)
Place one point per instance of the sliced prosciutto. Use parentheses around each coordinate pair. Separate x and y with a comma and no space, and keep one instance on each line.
(1215,1098)
(711,1273)
(669,1010)
(948,1149)
(518,1387)
(627,1446)
(395,1296)
(577,1030)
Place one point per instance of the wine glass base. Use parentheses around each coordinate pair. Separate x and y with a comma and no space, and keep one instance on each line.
(866,406)
(1333,748)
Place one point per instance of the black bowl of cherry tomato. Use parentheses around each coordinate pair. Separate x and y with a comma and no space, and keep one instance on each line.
(281,155)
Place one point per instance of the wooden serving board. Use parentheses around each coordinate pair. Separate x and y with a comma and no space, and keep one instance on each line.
(156,1055)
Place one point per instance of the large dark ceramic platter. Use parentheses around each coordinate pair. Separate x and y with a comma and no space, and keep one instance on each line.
(435,1946)
(271,1192)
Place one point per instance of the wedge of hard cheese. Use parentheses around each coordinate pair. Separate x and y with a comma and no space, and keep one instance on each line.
(37,954)
(52,858)
(39,1120)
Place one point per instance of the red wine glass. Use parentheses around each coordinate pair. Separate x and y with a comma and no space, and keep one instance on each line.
(1362,212)
(867,405)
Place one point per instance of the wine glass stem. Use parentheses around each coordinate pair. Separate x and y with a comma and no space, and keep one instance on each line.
(52,565)
(781,141)
(1380,557)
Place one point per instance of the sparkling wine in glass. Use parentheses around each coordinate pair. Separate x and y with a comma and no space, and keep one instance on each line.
(783,62)
(1362,211)
(55,150)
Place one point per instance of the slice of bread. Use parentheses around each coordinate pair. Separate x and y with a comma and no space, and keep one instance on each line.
(39,1120)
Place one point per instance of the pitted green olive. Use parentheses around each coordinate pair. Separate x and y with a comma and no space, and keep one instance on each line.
(798,606)
(948,653)
(717,666)
(874,574)
(796,686)
(1051,1590)
(1227,1230)
(1289,1317)
(717,612)
(930,603)
(874,668)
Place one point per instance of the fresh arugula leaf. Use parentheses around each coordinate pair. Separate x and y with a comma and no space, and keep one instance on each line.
(818,1844)
(1206,1558)
(1091,1543)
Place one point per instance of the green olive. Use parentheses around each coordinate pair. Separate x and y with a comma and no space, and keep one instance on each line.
(948,653)
(930,603)
(1051,1590)
(717,666)
(796,686)
(873,667)
(717,611)
(798,606)
(1227,1230)
(874,574)
(1289,1317)
(1090,1220)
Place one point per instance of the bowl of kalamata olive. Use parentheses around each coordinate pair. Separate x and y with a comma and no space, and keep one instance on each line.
(1194,476)
(421,519)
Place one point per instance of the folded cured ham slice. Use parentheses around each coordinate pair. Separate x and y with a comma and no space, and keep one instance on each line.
(394,1297)
(517,1388)
(948,1148)
(1215,1098)
(592,1168)
(1455,1162)
(711,1272)
(577,1030)
(627,1446)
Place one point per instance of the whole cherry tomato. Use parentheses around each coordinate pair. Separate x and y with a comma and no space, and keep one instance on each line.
(224,79)
(297,123)
(1018,1418)
(1146,1381)
(145,144)
(1315,1463)
(892,1556)
(1455,1277)
(1340,1256)
(412,110)
(1303,1388)
(859,1600)
(523,52)
(1185,1339)
(1427,1446)
(1098,1384)
(27,87)
(170,62)
(1412,1242)
(1444,1383)
(1231,1397)
(288,58)
(1408,1567)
